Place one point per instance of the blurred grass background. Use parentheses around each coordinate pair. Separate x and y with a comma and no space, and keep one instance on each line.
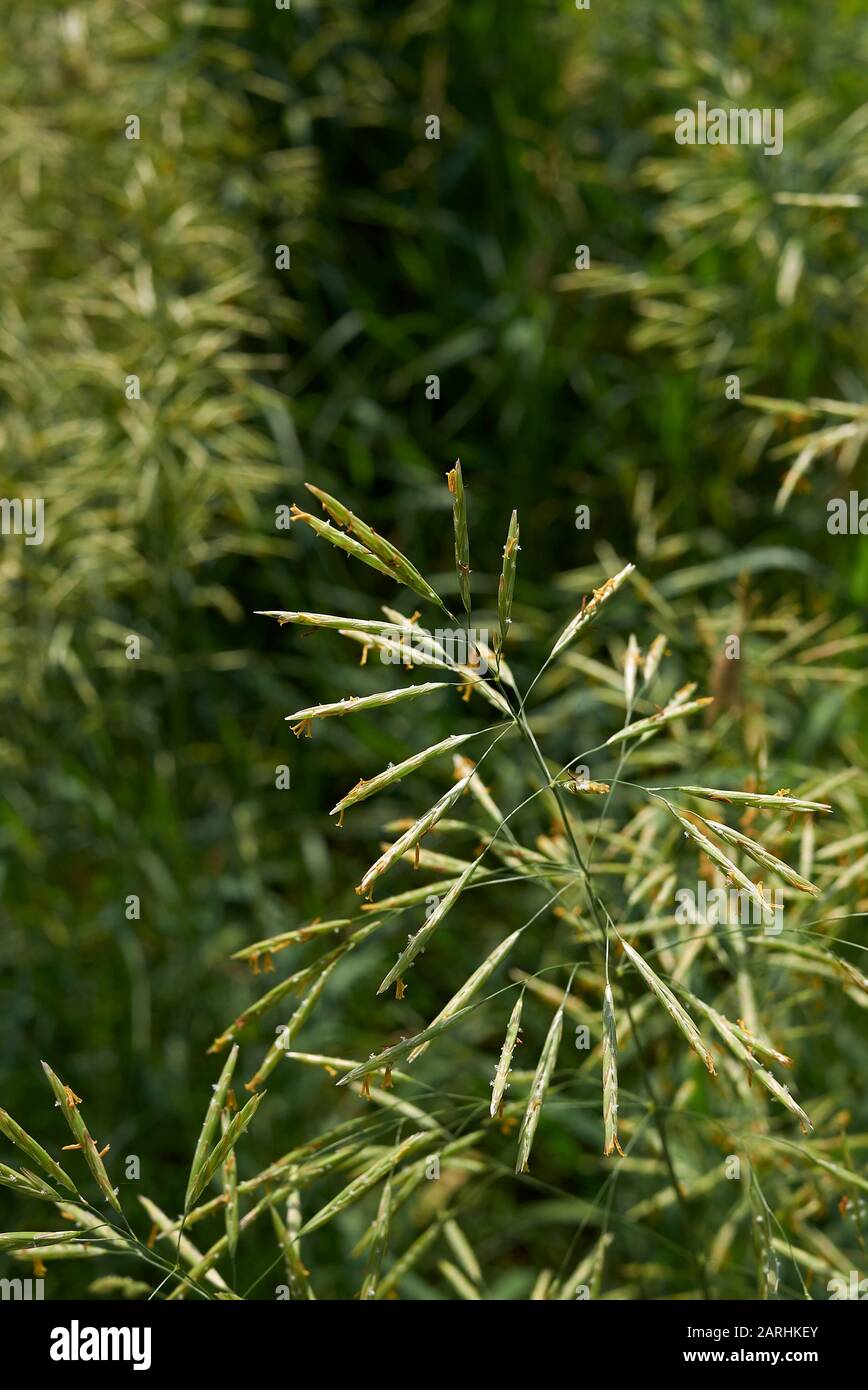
(410,257)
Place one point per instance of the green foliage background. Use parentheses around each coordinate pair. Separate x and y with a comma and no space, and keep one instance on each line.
(409,257)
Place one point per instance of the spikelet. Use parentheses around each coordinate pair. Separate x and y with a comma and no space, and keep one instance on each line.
(731,1037)
(653,657)
(411,837)
(591,610)
(23,1141)
(420,939)
(224,1146)
(68,1103)
(610,1075)
(366,1180)
(397,564)
(209,1124)
(778,801)
(542,1076)
(302,718)
(679,1016)
(470,986)
(501,1077)
(370,786)
(348,544)
(654,722)
(760,855)
(462,541)
(631,667)
(506,583)
(230,1189)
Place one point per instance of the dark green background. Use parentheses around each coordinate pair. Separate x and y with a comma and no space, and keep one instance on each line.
(409,257)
